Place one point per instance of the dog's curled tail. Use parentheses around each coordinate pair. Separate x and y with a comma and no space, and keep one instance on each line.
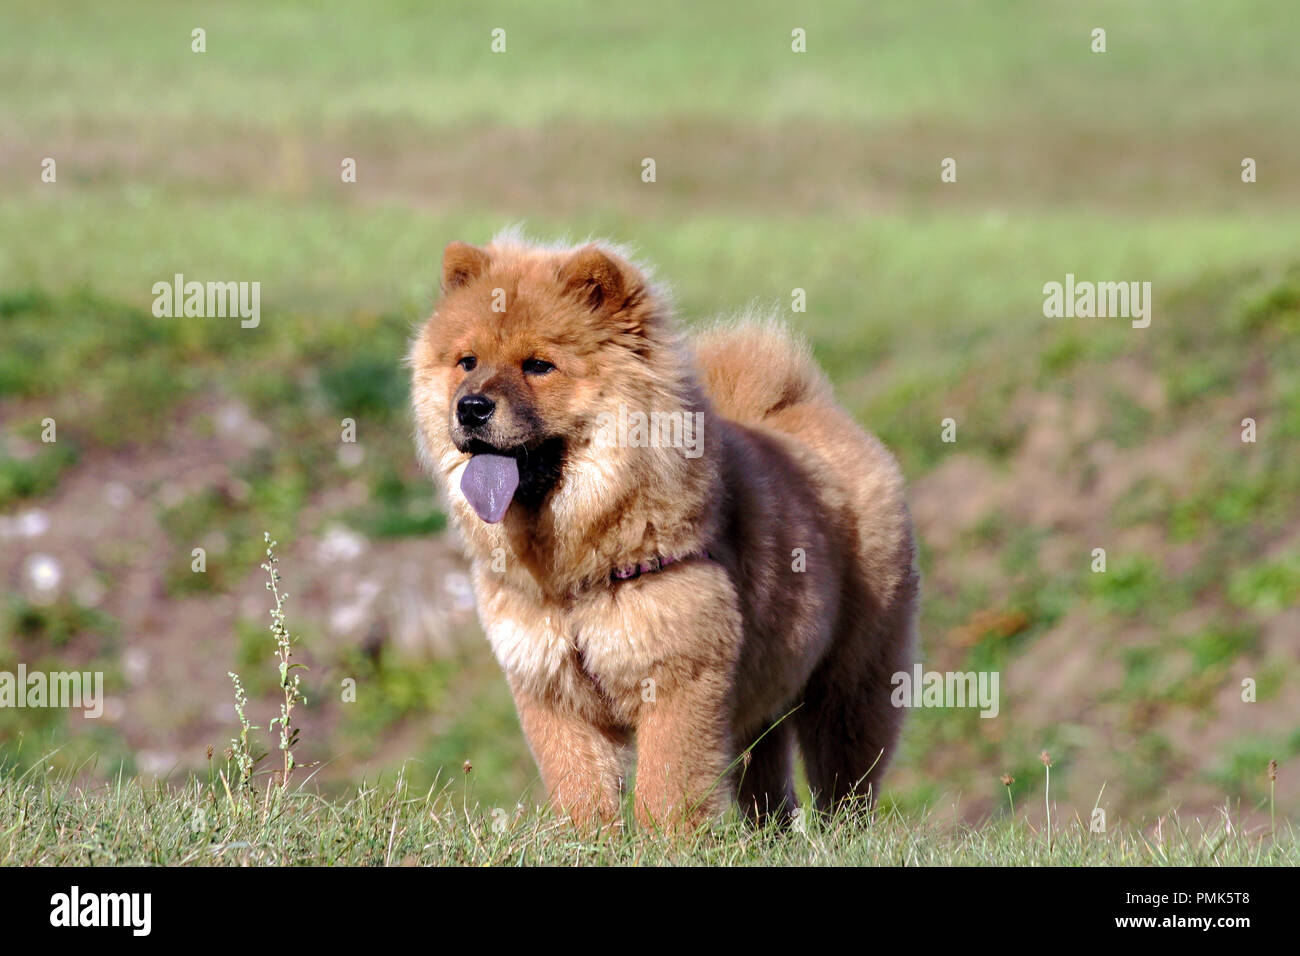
(753,368)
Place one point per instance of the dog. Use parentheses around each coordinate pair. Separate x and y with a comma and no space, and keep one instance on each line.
(707,590)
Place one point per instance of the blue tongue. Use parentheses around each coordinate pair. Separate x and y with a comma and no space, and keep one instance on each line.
(488,483)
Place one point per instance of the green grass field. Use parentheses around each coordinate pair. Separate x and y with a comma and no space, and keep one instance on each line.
(775,171)
(50,822)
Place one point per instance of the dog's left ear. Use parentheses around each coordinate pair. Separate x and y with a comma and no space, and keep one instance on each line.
(462,262)
(599,280)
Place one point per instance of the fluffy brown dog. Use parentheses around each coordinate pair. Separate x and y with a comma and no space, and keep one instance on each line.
(672,546)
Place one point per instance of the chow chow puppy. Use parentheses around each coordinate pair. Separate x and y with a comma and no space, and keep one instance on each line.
(689,549)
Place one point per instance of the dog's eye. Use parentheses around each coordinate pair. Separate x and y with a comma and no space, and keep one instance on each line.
(468,363)
(535,366)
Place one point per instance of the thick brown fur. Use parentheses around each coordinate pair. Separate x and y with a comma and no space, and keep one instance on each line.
(798,591)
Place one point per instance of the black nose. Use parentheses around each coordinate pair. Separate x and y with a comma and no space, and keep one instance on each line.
(474,410)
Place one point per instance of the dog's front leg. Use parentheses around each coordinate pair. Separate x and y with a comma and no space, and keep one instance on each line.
(683,728)
(684,751)
(581,760)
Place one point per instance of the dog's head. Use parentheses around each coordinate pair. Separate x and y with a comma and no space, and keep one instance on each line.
(526,347)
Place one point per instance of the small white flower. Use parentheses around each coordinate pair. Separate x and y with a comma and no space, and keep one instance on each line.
(232,418)
(340,544)
(135,662)
(350,617)
(44,574)
(32,524)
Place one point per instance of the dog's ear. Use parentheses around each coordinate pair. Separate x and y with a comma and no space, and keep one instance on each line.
(462,262)
(598,280)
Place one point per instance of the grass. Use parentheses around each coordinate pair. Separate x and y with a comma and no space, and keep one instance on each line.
(431,65)
(45,819)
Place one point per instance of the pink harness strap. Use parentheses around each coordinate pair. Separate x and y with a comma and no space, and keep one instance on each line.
(657,563)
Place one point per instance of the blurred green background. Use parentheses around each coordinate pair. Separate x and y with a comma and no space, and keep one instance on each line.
(775,171)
